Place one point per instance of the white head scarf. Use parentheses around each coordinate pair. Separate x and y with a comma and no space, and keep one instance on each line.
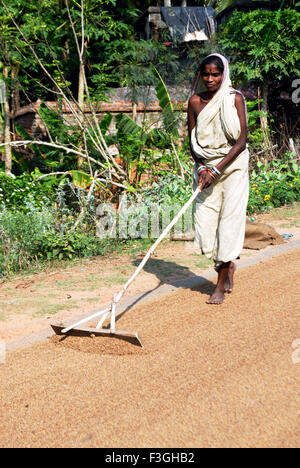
(198,85)
(220,106)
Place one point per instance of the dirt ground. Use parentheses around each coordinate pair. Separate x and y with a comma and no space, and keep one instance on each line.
(208,376)
(29,304)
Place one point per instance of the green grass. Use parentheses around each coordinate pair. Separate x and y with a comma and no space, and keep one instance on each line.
(194,260)
(288,211)
(51,309)
(3,316)
(204,263)
(66,285)
(49,304)
(114,279)
(93,299)
(291,224)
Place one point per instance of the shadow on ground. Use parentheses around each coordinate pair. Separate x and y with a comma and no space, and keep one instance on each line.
(173,274)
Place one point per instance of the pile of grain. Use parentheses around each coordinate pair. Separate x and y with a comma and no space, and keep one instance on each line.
(97,345)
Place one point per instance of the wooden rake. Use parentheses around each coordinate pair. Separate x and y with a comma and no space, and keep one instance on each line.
(76,329)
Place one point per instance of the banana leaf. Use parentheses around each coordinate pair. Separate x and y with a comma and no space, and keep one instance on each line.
(20,160)
(159,138)
(168,114)
(80,178)
(127,125)
(162,94)
(105,123)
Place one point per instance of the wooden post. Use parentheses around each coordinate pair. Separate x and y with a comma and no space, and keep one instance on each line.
(263,107)
(81,106)
(7,136)
(292,146)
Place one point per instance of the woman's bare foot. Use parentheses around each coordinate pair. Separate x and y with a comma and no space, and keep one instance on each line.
(225,282)
(217,296)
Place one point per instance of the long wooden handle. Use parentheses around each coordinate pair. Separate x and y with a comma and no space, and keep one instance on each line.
(155,245)
(112,308)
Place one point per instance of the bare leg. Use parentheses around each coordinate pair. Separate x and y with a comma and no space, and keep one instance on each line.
(229,280)
(224,284)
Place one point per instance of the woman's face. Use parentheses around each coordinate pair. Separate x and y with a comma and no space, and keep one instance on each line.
(212,77)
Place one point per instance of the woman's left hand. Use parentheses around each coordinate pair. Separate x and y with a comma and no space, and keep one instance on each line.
(205,180)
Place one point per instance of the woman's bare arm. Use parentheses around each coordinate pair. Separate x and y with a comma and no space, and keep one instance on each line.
(240,145)
(205,179)
(192,121)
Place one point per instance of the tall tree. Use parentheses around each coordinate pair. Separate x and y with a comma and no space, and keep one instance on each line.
(264,46)
(7,134)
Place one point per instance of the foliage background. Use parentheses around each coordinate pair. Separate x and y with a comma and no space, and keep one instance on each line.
(48,217)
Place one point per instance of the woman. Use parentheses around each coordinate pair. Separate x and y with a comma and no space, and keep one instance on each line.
(217,123)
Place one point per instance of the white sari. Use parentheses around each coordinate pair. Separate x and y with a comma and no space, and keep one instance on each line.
(220,210)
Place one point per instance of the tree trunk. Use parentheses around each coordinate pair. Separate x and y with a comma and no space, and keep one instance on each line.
(7,135)
(80,160)
(15,93)
(184,3)
(134,111)
(263,107)
(167,3)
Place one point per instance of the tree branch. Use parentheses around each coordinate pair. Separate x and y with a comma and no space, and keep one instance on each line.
(53,145)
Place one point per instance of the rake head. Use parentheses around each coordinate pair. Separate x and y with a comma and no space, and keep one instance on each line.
(131,337)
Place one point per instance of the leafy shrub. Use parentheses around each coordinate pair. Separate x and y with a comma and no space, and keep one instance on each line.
(19,233)
(255,133)
(18,193)
(44,235)
(170,189)
(274,184)
(32,230)
(271,185)
(54,246)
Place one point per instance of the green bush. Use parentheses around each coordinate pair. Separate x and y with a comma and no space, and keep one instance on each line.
(274,184)
(54,246)
(169,189)
(34,229)
(19,233)
(255,133)
(42,235)
(18,193)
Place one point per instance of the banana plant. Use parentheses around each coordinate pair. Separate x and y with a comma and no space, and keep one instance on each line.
(169,117)
(128,126)
(137,137)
